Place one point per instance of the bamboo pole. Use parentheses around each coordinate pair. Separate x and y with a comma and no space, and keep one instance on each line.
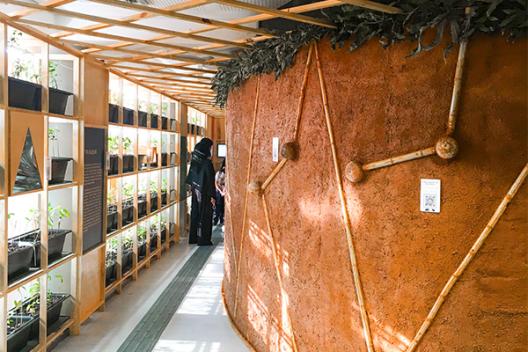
(248,174)
(468,258)
(455,97)
(276,261)
(303,93)
(400,159)
(274,173)
(344,212)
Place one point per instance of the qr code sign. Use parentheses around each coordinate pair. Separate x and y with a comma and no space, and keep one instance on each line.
(430,195)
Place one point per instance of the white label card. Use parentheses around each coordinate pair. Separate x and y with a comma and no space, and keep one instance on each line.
(430,195)
(275,149)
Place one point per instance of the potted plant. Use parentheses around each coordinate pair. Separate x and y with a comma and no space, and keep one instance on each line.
(113,151)
(153,230)
(128,155)
(18,330)
(142,202)
(31,307)
(142,114)
(128,116)
(25,90)
(153,196)
(113,108)
(163,230)
(111,215)
(154,144)
(58,99)
(59,164)
(128,204)
(153,116)
(142,242)
(111,261)
(56,235)
(164,198)
(128,244)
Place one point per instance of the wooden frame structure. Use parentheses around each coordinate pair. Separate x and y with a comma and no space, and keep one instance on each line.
(155,55)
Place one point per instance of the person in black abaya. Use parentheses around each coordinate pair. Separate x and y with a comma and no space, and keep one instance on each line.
(201,178)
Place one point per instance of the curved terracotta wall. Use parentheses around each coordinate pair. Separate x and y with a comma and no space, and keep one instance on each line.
(383,104)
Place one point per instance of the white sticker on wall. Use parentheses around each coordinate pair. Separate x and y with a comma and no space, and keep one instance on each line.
(430,195)
(275,149)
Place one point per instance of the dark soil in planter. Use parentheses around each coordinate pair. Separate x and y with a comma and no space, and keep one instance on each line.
(142,205)
(128,116)
(164,123)
(172,158)
(142,161)
(113,168)
(128,163)
(24,94)
(164,198)
(111,219)
(153,201)
(111,274)
(113,113)
(153,121)
(128,212)
(127,260)
(142,118)
(58,99)
(19,259)
(18,334)
(59,166)
(164,159)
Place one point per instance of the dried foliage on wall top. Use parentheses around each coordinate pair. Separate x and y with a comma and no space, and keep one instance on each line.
(457,19)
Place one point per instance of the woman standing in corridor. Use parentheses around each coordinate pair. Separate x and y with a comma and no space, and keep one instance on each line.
(201,178)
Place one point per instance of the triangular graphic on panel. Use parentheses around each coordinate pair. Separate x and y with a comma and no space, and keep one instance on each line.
(28,175)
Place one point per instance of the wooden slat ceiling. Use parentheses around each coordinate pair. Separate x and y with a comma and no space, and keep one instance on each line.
(148,45)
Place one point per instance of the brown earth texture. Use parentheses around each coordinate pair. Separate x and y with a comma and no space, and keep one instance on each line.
(382,104)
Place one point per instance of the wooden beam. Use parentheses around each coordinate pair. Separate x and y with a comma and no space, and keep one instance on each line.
(48,4)
(120,38)
(133,69)
(372,5)
(276,13)
(196,79)
(189,4)
(180,82)
(162,66)
(181,16)
(112,22)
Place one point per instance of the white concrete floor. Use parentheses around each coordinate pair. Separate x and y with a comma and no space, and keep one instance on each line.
(201,323)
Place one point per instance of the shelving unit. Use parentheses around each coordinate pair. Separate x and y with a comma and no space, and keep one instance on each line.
(40,190)
(143,180)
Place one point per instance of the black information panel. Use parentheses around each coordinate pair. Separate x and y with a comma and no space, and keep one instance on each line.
(94,168)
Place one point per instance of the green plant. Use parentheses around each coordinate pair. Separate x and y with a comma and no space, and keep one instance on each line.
(142,234)
(128,190)
(110,198)
(164,185)
(128,242)
(56,214)
(53,74)
(113,144)
(153,185)
(154,141)
(127,144)
(33,218)
(357,25)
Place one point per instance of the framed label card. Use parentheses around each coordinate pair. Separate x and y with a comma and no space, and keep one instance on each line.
(430,195)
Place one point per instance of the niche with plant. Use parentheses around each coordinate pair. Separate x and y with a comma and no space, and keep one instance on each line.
(112,247)
(114,99)
(129,159)
(165,115)
(164,149)
(59,162)
(56,231)
(153,232)
(113,154)
(154,150)
(111,212)
(22,249)
(163,228)
(58,98)
(30,307)
(142,241)
(164,191)
(25,89)
(128,251)
(153,187)
(143,109)
(127,215)
(142,196)
(153,110)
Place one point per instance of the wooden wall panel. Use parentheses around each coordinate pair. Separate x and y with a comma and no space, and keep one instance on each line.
(92,282)
(95,85)
(20,122)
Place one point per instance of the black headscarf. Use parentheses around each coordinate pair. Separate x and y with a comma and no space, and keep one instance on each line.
(201,173)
